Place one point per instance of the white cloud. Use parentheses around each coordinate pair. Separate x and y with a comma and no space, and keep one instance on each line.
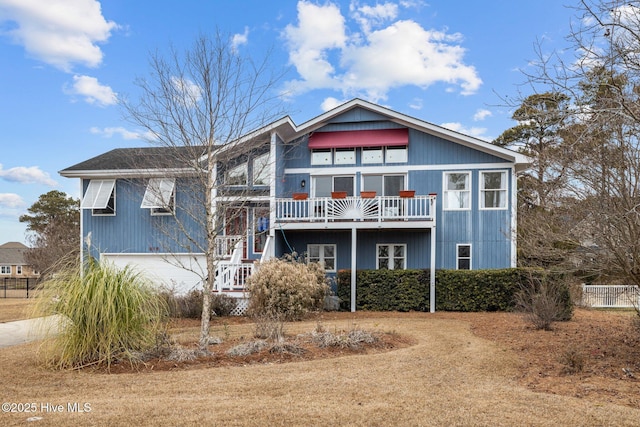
(416,104)
(477,132)
(372,62)
(92,91)
(109,132)
(58,32)
(186,91)
(27,175)
(481,114)
(240,39)
(330,103)
(373,16)
(11,200)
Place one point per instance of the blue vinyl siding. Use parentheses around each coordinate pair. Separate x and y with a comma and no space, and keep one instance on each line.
(135,230)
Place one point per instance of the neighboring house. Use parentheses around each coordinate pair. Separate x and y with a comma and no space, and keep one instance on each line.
(332,189)
(12,263)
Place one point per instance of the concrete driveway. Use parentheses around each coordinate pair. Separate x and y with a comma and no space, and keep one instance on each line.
(23,331)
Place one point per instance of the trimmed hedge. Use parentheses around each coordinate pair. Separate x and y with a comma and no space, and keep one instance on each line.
(456,290)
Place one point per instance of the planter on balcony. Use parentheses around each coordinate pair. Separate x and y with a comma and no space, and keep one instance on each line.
(300,196)
(338,194)
(407,193)
(368,194)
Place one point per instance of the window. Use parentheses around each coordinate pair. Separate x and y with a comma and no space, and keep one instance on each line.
(493,190)
(396,154)
(383,185)
(261,170)
(345,156)
(237,175)
(321,157)
(160,196)
(324,185)
(18,269)
(371,155)
(5,269)
(463,257)
(323,254)
(391,257)
(260,228)
(100,197)
(457,190)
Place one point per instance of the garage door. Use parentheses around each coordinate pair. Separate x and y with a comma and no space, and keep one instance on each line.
(164,271)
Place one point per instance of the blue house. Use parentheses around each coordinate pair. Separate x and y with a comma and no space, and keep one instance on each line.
(358,187)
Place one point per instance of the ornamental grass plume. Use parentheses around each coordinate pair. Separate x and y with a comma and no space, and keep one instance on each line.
(106,314)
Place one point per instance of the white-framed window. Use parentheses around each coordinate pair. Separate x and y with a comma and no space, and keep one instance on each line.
(237,175)
(261,170)
(100,197)
(345,156)
(457,190)
(324,185)
(5,269)
(384,185)
(321,157)
(493,190)
(463,257)
(372,155)
(323,254)
(18,269)
(396,154)
(160,196)
(391,256)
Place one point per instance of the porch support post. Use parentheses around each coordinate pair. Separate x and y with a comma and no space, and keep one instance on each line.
(432,278)
(354,241)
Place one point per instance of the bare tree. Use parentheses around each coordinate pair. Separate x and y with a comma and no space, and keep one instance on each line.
(600,133)
(201,104)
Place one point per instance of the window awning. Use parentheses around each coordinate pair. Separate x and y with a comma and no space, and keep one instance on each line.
(359,138)
(158,194)
(98,194)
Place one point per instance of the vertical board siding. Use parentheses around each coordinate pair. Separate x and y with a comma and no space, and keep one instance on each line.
(135,230)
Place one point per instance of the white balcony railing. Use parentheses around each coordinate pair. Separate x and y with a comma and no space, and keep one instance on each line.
(382,208)
(224,245)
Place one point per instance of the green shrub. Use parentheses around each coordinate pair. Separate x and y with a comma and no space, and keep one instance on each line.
(107,314)
(286,290)
(456,290)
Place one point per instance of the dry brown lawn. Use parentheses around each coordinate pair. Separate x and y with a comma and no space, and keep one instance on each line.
(460,369)
(15,309)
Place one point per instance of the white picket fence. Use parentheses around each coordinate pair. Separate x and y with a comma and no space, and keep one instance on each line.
(610,296)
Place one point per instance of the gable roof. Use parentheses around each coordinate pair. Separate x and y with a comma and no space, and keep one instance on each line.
(136,161)
(12,253)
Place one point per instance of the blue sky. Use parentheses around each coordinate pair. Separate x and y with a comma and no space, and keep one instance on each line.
(64,63)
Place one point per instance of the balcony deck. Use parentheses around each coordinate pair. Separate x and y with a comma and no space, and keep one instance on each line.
(357,212)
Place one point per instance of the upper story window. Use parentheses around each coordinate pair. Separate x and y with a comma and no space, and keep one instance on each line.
(493,190)
(383,185)
(324,185)
(321,157)
(372,155)
(237,175)
(261,170)
(457,190)
(160,196)
(345,156)
(396,154)
(18,269)
(100,197)
(5,269)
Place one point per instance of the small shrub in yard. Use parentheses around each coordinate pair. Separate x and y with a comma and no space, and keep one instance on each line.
(107,313)
(187,305)
(285,290)
(544,301)
(222,305)
(573,361)
(353,339)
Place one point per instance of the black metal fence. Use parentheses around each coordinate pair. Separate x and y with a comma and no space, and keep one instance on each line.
(13,287)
